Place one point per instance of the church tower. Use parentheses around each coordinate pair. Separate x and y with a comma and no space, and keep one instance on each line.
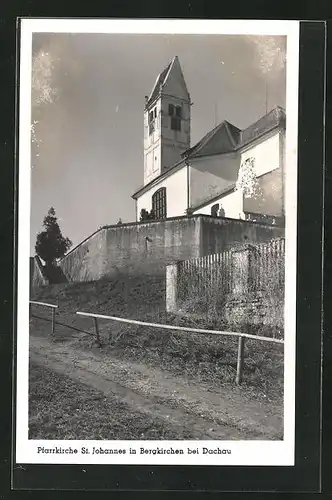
(166,122)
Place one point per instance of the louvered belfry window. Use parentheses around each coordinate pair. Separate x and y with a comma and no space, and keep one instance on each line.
(175,112)
(159,207)
(152,120)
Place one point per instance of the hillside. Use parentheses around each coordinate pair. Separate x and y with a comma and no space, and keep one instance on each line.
(207,358)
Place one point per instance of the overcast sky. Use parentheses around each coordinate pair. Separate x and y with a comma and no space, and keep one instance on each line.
(89,158)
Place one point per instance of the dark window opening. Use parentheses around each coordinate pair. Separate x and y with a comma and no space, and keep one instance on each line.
(175,112)
(151,119)
(175,123)
(151,128)
(159,208)
(214,210)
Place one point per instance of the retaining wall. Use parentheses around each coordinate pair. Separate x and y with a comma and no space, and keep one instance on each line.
(147,247)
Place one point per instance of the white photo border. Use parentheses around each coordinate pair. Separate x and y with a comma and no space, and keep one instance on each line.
(251,453)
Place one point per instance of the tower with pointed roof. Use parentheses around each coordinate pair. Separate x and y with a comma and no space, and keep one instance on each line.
(166,122)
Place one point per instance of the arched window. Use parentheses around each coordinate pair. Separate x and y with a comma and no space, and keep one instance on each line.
(159,207)
(214,210)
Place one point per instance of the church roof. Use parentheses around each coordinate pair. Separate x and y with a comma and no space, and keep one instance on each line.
(224,138)
(276,117)
(159,82)
(227,138)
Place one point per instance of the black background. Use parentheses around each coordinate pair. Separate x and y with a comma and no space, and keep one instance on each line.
(307,475)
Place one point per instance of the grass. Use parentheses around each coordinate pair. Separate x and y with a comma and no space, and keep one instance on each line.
(205,358)
(60,408)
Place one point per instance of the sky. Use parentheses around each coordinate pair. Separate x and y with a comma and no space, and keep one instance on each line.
(88,95)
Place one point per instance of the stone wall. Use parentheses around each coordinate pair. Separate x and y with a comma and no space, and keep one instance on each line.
(221,233)
(137,248)
(256,309)
(147,247)
(86,262)
(37,278)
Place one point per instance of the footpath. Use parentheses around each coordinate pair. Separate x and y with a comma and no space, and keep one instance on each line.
(210,414)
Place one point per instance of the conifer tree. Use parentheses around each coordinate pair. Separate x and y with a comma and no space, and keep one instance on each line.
(50,244)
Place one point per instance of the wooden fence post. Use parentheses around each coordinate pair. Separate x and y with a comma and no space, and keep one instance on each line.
(97,331)
(53,320)
(240,353)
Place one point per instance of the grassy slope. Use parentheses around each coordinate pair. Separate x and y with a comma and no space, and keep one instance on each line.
(63,409)
(203,357)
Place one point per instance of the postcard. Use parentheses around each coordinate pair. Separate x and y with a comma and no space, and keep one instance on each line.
(157,233)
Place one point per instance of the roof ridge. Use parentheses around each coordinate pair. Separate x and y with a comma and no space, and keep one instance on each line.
(229,133)
(160,80)
(231,124)
(205,139)
(226,125)
(272,111)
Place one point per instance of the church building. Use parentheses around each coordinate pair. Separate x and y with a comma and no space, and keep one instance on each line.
(212,176)
(196,201)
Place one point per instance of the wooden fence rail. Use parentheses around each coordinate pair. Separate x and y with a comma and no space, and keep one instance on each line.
(45,304)
(241,336)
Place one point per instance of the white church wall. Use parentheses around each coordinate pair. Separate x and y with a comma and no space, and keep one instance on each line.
(266,153)
(231,203)
(176,194)
(211,175)
(271,200)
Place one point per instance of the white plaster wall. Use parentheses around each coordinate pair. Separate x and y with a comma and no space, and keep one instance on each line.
(152,153)
(269,160)
(271,200)
(165,145)
(232,204)
(211,175)
(176,194)
(266,154)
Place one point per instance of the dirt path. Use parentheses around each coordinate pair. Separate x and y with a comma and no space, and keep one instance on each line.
(209,414)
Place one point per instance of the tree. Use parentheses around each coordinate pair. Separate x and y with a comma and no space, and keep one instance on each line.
(50,244)
(119,223)
(145,215)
